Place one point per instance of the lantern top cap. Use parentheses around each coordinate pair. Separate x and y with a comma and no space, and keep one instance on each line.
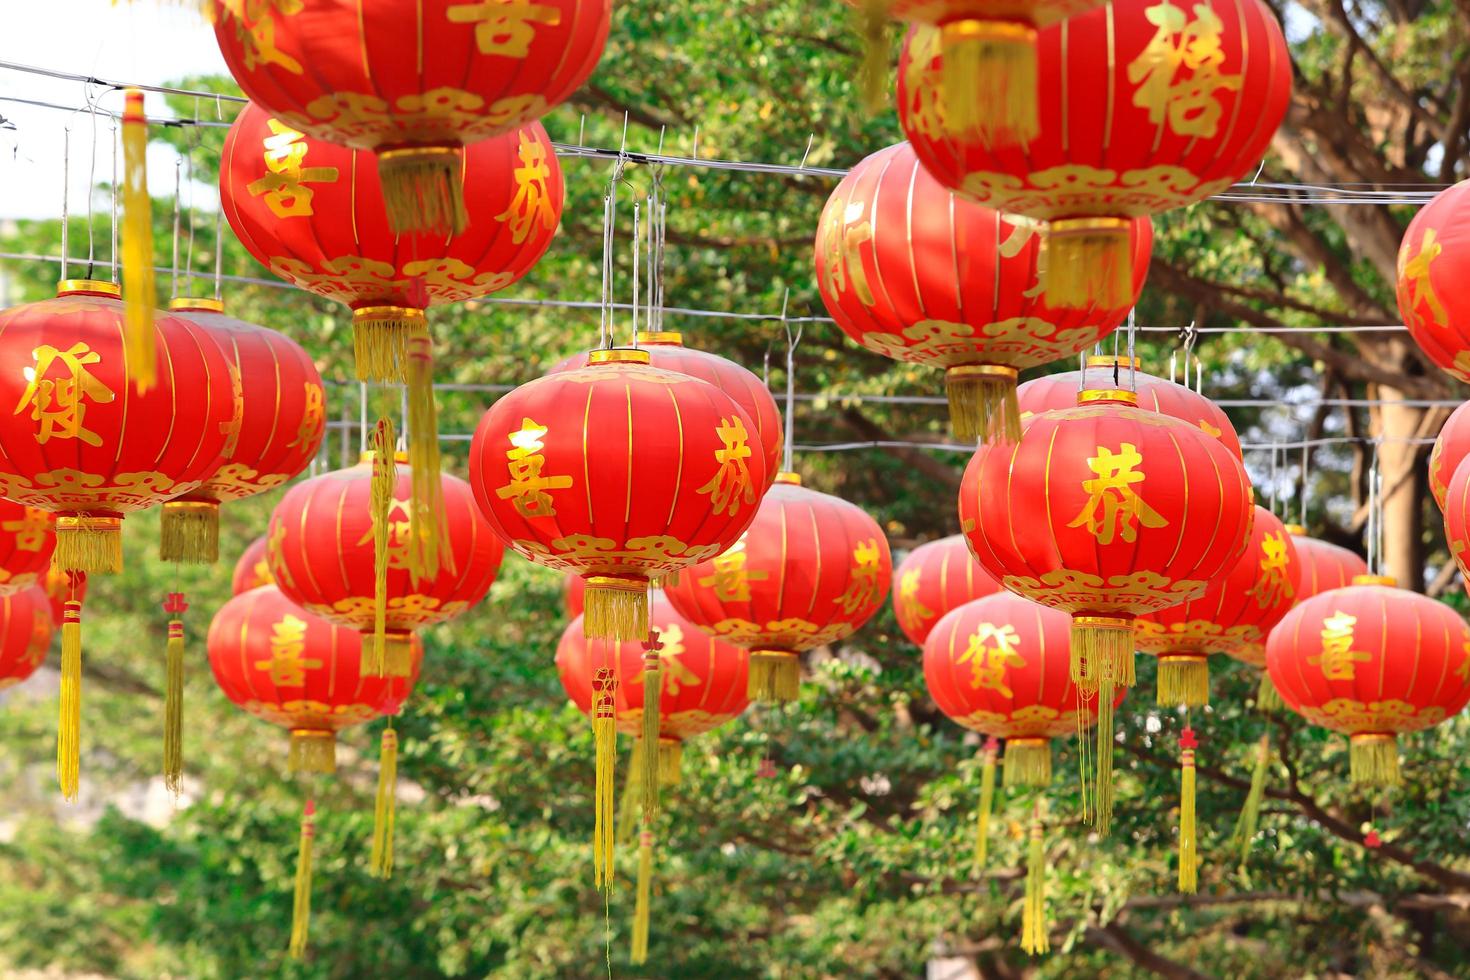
(617,355)
(1388,580)
(1121,396)
(399,456)
(196,304)
(1296,529)
(793,479)
(1113,360)
(88,287)
(662,338)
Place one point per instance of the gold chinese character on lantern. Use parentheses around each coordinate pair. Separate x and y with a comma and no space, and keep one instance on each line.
(1338,657)
(862,589)
(730,486)
(288,642)
(398,534)
(731,579)
(1114,508)
(505,27)
(1178,73)
(256,27)
(236,424)
(29,530)
(1415,271)
(990,650)
(532,202)
(1273,586)
(1023,229)
(911,612)
(285,186)
(843,234)
(528,489)
(313,417)
(676,673)
(60,404)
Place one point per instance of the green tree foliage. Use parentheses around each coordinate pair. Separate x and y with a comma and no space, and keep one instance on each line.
(853,859)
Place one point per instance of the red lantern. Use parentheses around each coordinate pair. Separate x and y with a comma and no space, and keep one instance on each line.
(1450,448)
(1109,371)
(1142,106)
(810,571)
(1457,518)
(1431,280)
(666,350)
(621,472)
(911,271)
(81,441)
(253,569)
(321,552)
(310,212)
(703,683)
(1372,661)
(25,634)
(286,666)
(1324,566)
(358,76)
(572,587)
(933,579)
(27,538)
(282,422)
(1234,616)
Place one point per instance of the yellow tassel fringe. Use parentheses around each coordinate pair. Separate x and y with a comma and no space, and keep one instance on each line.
(69,724)
(1250,813)
(1188,832)
(604,738)
(380,339)
(775,676)
(1028,762)
(189,532)
(1374,760)
(615,609)
(987,804)
(1102,650)
(989,81)
(88,544)
(301,905)
(648,779)
(312,750)
(1089,263)
(397,654)
(670,762)
(428,548)
(875,82)
(385,810)
(384,483)
(982,402)
(139,289)
(1102,794)
(173,701)
(422,190)
(1184,680)
(641,908)
(1034,938)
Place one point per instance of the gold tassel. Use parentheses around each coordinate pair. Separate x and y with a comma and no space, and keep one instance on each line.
(1188,836)
(632,795)
(173,701)
(652,694)
(1374,760)
(88,544)
(874,20)
(1102,794)
(1250,814)
(69,725)
(615,608)
(139,297)
(988,76)
(982,402)
(384,813)
(1102,649)
(301,907)
(1028,762)
(1034,938)
(645,889)
(987,803)
(1184,679)
(428,549)
(670,761)
(384,483)
(605,739)
(189,531)
(422,189)
(1089,263)
(312,750)
(380,338)
(1267,697)
(397,653)
(775,676)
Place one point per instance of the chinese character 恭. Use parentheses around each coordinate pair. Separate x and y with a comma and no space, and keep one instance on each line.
(505,27)
(731,579)
(863,587)
(532,203)
(731,483)
(1273,587)
(60,404)
(527,487)
(1113,507)
(313,417)
(1338,656)
(911,612)
(1193,46)
(990,651)
(1415,272)
(288,643)
(257,31)
(284,187)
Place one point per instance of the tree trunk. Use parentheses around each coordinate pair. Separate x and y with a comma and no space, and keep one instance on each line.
(1404,487)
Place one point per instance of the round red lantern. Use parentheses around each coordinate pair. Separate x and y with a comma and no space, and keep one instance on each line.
(1457,518)
(286,666)
(703,683)
(1450,448)
(322,555)
(1110,371)
(572,587)
(27,538)
(621,472)
(357,75)
(253,568)
(1234,616)
(281,425)
(1372,661)
(1430,281)
(1324,565)
(666,350)
(911,271)
(310,212)
(25,634)
(810,571)
(81,441)
(933,579)
(1142,106)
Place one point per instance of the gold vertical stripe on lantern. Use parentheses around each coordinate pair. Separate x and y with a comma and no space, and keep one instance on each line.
(384,482)
(139,291)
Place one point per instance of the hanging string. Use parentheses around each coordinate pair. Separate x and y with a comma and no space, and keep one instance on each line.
(219,251)
(1132,350)
(91,181)
(637,249)
(65,182)
(1371,531)
(116,266)
(609,239)
(1275,451)
(178,193)
(189,222)
(792,341)
(1306,485)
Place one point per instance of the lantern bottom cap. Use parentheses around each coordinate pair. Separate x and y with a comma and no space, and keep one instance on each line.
(88,544)
(189,531)
(775,676)
(312,750)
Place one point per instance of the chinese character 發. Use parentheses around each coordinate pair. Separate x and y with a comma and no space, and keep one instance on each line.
(1193,47)
(60,404)
(990,651)
(527,487)
(1114,508)
(256,31)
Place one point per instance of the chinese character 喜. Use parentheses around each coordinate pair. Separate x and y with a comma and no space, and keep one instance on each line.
(731,579)
(527,487)
(1338,656)
(1114,508)
(288,642)
(284,187)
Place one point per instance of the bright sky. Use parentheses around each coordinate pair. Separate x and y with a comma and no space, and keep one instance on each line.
(148,41)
